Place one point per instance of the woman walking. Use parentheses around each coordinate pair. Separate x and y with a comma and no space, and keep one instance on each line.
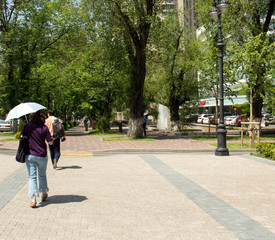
(37,159)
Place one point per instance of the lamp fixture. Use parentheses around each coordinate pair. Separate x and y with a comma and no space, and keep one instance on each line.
(223,6)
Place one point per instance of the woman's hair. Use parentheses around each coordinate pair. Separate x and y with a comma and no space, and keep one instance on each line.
(51,112)
(38,117)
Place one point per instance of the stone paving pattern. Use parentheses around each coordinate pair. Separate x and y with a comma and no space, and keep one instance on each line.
(78,141)
(143,196)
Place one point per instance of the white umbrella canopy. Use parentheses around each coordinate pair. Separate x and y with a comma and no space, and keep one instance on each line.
(24,109)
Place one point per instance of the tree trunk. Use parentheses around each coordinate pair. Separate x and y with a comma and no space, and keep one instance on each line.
(251,132)
(138,32)
(14,126)
(135,128)
(174,112)
(258,91)
(257,104)
(107,108)
(12,97)
(136,100)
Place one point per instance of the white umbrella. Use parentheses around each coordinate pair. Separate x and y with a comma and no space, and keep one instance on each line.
(23,109)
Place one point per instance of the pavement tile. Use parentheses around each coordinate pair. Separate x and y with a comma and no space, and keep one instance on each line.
(122,196)
(79,141)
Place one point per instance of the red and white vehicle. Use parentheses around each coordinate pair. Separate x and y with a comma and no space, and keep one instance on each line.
(239,120)
(208,119)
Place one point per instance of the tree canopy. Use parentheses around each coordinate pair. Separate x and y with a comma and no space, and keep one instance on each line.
(89,58)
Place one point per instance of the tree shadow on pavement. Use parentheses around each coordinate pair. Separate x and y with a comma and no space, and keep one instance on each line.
(62,199)
(76,134)
(68,167)
(163,136)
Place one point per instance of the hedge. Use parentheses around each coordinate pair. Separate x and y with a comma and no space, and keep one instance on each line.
(266,149)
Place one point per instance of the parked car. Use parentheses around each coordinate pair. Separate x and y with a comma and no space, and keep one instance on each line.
(269,118)
(213,120)
(207,119)
(226,115)
(201,118)
(264,123)
(5,126)
(239,120)
(230,120)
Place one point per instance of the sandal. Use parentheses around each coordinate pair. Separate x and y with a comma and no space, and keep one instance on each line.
(33,204)
(44,197)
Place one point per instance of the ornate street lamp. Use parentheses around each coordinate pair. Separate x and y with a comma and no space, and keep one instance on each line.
(219,7)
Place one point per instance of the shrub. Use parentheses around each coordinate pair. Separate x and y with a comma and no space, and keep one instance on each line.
(19,129)
(17,135)
(20,126)
(70,124)
(65,125)
(103,124)
(267,149)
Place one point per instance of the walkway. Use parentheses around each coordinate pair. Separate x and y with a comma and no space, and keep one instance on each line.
(101,195)
(186,196)
(79,141)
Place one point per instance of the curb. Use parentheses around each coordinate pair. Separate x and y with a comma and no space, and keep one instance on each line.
(170,151)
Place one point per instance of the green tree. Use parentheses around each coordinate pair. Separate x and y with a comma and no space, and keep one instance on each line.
(9,14)
(131,22)
(251,48)
(28,30)
(177,56)
(209,69)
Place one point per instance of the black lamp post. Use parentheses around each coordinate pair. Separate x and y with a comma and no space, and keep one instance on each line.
(219,7)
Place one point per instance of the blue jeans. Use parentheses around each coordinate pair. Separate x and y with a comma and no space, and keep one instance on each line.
(37,165)
(55,150)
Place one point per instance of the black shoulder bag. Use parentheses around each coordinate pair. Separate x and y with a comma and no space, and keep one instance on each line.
(23,146)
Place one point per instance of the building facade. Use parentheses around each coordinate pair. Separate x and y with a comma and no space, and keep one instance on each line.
(189,14)
(187,11)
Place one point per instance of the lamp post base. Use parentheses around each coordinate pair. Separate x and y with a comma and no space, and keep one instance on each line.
(221,150)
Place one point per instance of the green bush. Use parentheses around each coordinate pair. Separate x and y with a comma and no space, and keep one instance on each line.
(267,149)
(20,126)
(68,125)
(19,129)
(65,125)
(103,124)
(17,135)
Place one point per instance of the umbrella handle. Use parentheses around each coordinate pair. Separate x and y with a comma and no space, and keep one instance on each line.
(26,118)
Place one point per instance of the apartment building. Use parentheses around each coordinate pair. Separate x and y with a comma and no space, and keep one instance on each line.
(187,12)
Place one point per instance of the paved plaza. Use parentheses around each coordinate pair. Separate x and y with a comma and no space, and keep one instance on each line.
(170,189)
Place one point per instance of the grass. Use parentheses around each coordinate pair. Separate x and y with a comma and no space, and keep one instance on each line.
(230,138)
(128,139)
(190,130)
(6,134)
(97,132)
(235,146)
(9,140)
(260,155)
(257,154)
